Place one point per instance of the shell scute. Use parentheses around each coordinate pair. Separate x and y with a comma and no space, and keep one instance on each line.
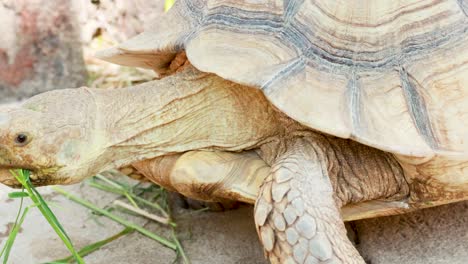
(390,74)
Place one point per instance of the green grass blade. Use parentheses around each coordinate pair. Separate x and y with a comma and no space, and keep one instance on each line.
(133,196)
(11,238)
(14,195)
(110,182)
(132,201)
(118,185)
(86,250)
(152,205)
(168,4)
(23,177)
(105,188)
(180,249)
(16,221)
(50,216)
(118,219)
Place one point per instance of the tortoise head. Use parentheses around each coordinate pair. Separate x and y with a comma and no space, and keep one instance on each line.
(49,135)
(66,135)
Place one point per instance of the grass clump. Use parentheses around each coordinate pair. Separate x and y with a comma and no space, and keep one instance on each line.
(152,197)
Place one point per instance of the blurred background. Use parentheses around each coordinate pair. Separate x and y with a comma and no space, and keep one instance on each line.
(49,44)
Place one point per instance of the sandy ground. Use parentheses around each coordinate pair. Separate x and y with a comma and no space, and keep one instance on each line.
(207,237)
(436,235)
(430,236)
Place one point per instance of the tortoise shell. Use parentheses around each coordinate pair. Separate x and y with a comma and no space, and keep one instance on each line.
(389,74)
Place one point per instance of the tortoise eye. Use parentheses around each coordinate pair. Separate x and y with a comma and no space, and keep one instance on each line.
(22,139)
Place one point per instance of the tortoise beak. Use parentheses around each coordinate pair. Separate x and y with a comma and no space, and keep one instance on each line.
(6,165)
(8,179)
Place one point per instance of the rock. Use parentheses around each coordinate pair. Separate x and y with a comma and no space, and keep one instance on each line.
(40,48)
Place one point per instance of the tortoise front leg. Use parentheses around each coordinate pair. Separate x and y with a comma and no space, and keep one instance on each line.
(162,170)
(298,209)
(212,176)
(297,217)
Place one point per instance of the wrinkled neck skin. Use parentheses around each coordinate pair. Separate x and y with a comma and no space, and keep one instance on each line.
(187,111)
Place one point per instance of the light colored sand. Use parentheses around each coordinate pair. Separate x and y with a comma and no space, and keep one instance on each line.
(208,237)
(430,236)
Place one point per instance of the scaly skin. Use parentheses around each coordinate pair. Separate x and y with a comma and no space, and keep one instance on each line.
(73,134)
(297,217)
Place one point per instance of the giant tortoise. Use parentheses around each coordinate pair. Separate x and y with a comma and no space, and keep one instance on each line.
(350,109)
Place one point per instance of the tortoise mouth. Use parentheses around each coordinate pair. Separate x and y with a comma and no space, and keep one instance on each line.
(7,178)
